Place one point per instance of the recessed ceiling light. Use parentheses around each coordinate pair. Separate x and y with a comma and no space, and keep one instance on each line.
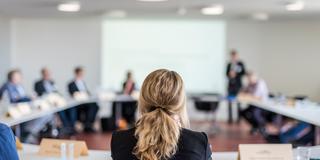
(260,16)
(117,14)
(295,6)
(152,0)
(213,10)
(73,6)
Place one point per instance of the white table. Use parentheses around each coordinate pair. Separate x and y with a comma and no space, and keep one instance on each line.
(70,103)
(30,152)
(309,113)
(40,113)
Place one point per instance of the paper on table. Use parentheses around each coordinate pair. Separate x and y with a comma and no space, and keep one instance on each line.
(24,108)
(265,152)
(80,96)
(14,112)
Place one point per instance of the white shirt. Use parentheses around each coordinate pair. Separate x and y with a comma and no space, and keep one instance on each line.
(261,90)
(49,87)
(81,85)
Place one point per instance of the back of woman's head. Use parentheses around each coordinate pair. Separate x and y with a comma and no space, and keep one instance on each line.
(163,114)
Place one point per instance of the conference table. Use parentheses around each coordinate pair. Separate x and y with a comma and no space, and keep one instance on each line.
(31,152)
(305,111)
(38,113)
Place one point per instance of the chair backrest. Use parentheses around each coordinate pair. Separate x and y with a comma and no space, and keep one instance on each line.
(208,102)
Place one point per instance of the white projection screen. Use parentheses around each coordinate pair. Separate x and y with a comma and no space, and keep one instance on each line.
(193,48)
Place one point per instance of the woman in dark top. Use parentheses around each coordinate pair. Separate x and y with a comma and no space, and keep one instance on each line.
(160,133)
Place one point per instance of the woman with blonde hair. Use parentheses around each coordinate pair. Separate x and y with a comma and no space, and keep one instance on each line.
(160,133)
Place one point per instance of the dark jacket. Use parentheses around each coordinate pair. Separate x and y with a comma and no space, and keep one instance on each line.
(235,84)
(72,88)
(39,87)
(192,146)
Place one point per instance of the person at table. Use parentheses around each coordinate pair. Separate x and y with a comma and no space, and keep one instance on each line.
(17,94)
(129,84)
(161,132)
(8,148)
(85,112)
(257,90)
(235,72)
(14,89)
(46,86)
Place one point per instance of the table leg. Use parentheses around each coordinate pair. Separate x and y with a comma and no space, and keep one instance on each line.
(238,112)
(317,135)
(229,112)
(118,113)
(18,131)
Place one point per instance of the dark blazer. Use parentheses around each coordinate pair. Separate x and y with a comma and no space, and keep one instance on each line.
(192,146)
(39,87)
(72,88)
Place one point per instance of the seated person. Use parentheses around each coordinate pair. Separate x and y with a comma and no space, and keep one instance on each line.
(161,132)
(128,108)
(17,94)
(256,89)
(8,148)
(295,132)
(86,112)
(128,86)
(13,88)
(46,86)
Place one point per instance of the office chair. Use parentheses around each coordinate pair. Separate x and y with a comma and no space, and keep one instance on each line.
(208,104)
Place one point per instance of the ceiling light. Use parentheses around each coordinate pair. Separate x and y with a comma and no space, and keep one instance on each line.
(260,16)
(295,6)
(117,14)
(213,10)
(152,0)
(73,6)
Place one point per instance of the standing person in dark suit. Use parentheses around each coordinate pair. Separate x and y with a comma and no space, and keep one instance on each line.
(129,85)
(161,132)
(46,86)
(85,112)
(8,148)
(235,71)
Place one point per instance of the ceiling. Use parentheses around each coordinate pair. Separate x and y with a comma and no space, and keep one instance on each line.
(234,9)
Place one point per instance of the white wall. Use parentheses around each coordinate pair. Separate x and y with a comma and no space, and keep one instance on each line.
(60,44)
(4,47)
(286,54)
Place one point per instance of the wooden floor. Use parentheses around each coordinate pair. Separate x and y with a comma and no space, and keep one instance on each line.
(225,138)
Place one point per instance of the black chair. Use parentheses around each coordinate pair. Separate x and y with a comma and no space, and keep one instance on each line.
(208,104)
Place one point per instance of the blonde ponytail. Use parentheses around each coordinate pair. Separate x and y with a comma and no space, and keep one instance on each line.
(162,97)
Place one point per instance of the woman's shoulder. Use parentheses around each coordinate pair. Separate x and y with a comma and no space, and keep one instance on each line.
(123,136)
(193,138)
(128,132)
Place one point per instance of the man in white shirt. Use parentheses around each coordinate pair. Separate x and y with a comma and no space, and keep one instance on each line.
(256,89)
